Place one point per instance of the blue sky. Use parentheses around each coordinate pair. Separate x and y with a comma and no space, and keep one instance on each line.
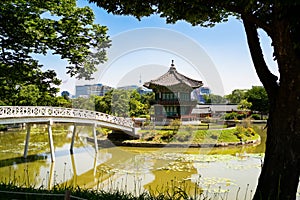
(225,45)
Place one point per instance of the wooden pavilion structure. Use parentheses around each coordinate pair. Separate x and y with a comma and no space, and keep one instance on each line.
(173,95)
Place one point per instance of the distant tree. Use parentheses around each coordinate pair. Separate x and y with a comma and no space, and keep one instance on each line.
(84,103)
(213,99)
(29,95)
(63,102)
(136,108)
(120,103)
(140,104)
(258,97)
(244,105)
(46,99)
(281,22)
(124,103)
(103,104)
(148,99)
(236,96)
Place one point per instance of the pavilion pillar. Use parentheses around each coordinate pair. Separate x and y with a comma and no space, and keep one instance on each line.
(73,138)
(95,137)
(51,140)
(28,127)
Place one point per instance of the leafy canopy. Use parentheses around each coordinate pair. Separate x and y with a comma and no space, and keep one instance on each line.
(258,97)
(35,27)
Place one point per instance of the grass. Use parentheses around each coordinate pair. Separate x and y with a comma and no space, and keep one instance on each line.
(11,191)
(169,192)
(191,134)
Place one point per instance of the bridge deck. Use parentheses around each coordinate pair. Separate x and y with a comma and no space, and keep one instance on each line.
(44,114)
(50,115)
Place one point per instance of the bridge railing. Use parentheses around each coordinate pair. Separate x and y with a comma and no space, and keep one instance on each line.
(45,111)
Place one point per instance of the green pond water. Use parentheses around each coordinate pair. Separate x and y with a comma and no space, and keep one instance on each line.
(212,171)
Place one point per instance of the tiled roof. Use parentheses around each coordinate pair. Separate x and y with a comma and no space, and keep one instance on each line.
(172,77)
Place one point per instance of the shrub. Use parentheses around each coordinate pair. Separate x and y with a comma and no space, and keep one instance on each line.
(167,136)
(234,115)
(241,116)
(229,116)
(183,136)
(255,116)
(148,135)
(250,132)
(145,116)
(189,128)
(246,122)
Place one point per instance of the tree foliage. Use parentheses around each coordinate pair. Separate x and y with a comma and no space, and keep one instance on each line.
(124,103)
(214,99)
(258,98)
(244,105)
(236,96)
(103,103)
(29,95)
(84,103)
(35,27)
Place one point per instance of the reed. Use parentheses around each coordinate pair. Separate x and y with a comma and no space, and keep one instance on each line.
(22,188)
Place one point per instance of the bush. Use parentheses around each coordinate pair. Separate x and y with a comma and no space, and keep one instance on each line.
(183,136)
(148,135)
(167,136)
(189,128)
(255,116)
(145,116)
(229,116)
(234,115)
(3,127)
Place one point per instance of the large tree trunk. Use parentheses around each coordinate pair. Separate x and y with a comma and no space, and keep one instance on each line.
(280,172)
(279,177)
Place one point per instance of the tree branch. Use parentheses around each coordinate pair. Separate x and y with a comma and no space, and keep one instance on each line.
(250,17)
(268,79)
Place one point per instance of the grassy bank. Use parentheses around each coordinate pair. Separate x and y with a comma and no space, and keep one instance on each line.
(190,134)
(11,191)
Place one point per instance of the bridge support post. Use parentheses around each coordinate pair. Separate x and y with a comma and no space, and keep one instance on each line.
(50,181)
(73,138)
(95,137)
(74,171)
(28,127)
(51,140)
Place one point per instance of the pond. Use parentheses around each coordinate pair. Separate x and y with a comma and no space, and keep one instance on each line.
(227,172)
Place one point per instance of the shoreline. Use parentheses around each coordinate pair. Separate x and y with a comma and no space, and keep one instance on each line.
(106,143)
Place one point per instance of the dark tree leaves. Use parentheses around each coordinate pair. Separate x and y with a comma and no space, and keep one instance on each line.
(42,27)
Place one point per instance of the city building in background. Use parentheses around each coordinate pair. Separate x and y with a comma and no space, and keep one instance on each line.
(198,94)
(88,90)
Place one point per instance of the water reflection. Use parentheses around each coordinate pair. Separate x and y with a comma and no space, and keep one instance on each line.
(128,168)
(21,160)
(50,179)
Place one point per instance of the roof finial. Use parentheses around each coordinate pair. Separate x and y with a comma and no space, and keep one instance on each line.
(172,68)
(172,65)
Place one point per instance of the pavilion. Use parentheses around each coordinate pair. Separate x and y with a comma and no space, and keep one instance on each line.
(173,95)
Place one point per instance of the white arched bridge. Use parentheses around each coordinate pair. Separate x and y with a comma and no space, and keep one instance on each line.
(43,114)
